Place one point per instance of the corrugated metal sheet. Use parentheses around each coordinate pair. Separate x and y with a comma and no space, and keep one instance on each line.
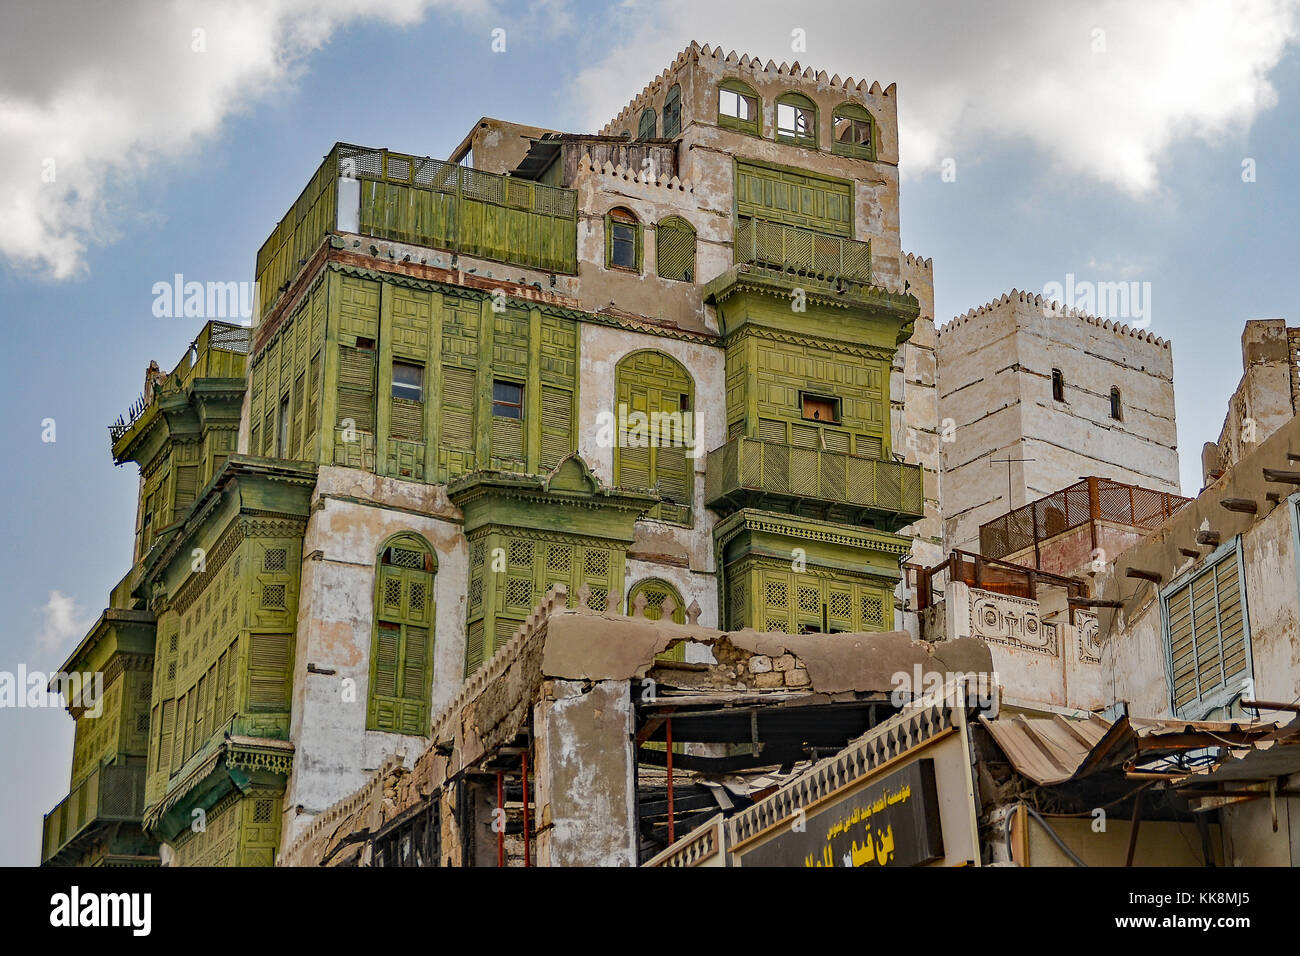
(1052,750)
(1046,749)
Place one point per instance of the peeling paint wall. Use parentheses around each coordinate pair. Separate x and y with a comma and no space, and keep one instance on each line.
(586,774)
(353,514)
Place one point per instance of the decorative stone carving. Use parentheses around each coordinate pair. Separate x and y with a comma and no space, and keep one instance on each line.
(1001,619)
(1089,638)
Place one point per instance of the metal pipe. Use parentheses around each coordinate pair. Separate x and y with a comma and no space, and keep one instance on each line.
(672,829)
(523,766)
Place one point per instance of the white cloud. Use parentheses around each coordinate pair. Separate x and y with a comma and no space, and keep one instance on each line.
(98,94)
(969,74)
(63,622)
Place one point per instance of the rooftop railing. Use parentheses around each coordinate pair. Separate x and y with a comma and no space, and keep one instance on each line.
(219,351)
(425,202)
(1083,503)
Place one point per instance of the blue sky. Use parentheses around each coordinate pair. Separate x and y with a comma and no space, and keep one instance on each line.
(1123,162)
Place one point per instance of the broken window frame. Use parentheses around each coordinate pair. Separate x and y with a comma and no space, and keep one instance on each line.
(856,120)
(802,115)
(734,91)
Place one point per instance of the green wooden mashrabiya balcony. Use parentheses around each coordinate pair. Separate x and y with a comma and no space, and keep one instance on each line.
(749,472)
(785,248)
(111,793)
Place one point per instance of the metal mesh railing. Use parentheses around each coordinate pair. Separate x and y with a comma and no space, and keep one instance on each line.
(1089,500)
(988,574)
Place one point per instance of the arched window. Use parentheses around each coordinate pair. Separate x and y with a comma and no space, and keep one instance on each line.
(738,107)
(796,120)
(1116,406)
(1058,385)
(675,249)
(853,132)
(654,399)
(622,240)
(673,113)
(401,651)
(655,591)
(646,128)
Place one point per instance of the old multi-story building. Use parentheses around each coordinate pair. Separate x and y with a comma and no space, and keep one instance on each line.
(680,362)
(1060,395)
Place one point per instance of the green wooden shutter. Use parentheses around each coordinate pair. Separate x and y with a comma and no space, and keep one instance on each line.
(795,198)
(507,437)
(387,641)
(187,486)
(673,113)
(474,647)
(414,658)
(407,420)
(557,426)
(357,387)
(673,474)
(458,408)
(675,250)
(268,672)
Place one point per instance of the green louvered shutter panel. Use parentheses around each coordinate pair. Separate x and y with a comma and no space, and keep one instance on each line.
(357,387)
(770,429)
(187,486)
(557,427)
(805,436)
(458,408)
(675,250)
(313,402)
(407,420)
(415,685)
(387,643)
(673,471)
(165,745)
(268,672)
(178,742)
(298,411)
(474,647)
(868,446)
(507,437)
(634,467)
(836,440)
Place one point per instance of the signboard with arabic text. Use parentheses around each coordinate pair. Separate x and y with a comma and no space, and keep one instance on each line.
(893,821)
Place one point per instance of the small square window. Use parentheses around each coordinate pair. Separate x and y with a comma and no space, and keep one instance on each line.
(408,381)
(817,408)
(507,399)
